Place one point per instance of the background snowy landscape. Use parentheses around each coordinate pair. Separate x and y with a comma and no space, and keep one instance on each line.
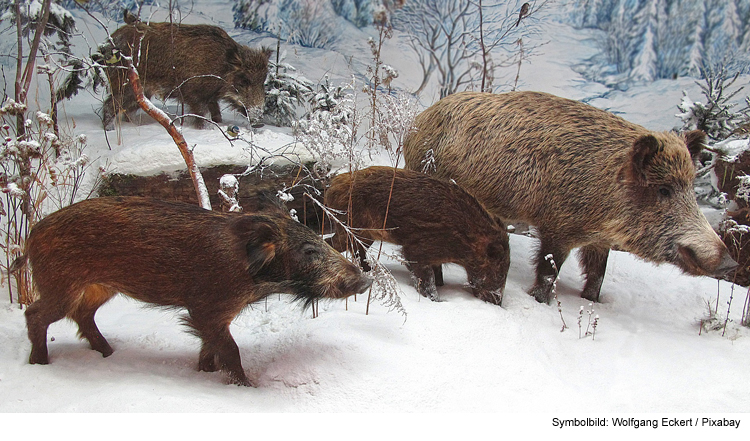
(648,356)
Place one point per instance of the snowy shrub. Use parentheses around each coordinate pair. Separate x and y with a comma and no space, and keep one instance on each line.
(83,73)
(722,122)
(716,117)
(591,324)
(308,23)
(40,171)
(397,113)
(553,280)
(285,91)
(328,130)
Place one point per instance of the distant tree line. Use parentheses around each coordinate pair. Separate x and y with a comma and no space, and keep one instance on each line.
(653,39)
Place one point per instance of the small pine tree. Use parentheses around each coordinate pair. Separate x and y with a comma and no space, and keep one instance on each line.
(326,131)
(285,91)
(716,117)
(327,101)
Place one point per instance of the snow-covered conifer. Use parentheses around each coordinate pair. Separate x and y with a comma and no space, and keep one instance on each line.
(645,62)
(716,117)
(285,91)
(358,12)
(724,29)
(327,131)
(694,59)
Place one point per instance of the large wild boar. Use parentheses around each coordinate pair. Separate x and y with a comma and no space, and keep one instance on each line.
(435,222)
(174,255)
(198,65)
(582,176)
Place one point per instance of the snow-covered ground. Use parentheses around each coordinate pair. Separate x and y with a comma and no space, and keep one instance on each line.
(463,356)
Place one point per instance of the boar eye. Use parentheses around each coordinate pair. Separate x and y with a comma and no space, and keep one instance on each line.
(309,250)
(665,191)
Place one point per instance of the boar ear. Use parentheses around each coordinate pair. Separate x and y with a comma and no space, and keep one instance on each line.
(495,250)
(644,150)
(259,235)
(695,141)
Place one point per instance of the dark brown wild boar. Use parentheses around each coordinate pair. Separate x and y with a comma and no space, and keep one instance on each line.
(435,222)
(198,65)
(582,176)
(175,255)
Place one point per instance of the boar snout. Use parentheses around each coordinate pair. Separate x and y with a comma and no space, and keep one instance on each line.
(726,266)
(351,280)
(690,260)
(489,288)
(359,286)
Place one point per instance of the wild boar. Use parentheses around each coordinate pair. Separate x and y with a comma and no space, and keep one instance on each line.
(174,255)
(198,65)
(582,176)
(434,222)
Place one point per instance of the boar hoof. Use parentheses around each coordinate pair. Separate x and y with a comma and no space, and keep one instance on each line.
(590,295)
(243,381)
(38,358)
(106,352)
(540,294)
(207,365)
(429,291)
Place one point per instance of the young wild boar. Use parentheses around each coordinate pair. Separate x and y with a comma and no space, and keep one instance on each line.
(195,64)
(175,255)
(435,222)
(584,177)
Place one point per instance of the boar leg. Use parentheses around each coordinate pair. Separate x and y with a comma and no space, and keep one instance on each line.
(198,109)
(213,109)
(546,273)
(94,296)
(206,359)
(594,263)
(438,271)
(218,345)
(39,315)
(124,101)
(424,280)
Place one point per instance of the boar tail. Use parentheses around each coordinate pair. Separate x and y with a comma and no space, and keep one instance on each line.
(17,264)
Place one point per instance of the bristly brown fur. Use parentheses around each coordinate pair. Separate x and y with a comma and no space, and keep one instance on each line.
(175,255)
(195,64)
(435,222)
(582,176)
